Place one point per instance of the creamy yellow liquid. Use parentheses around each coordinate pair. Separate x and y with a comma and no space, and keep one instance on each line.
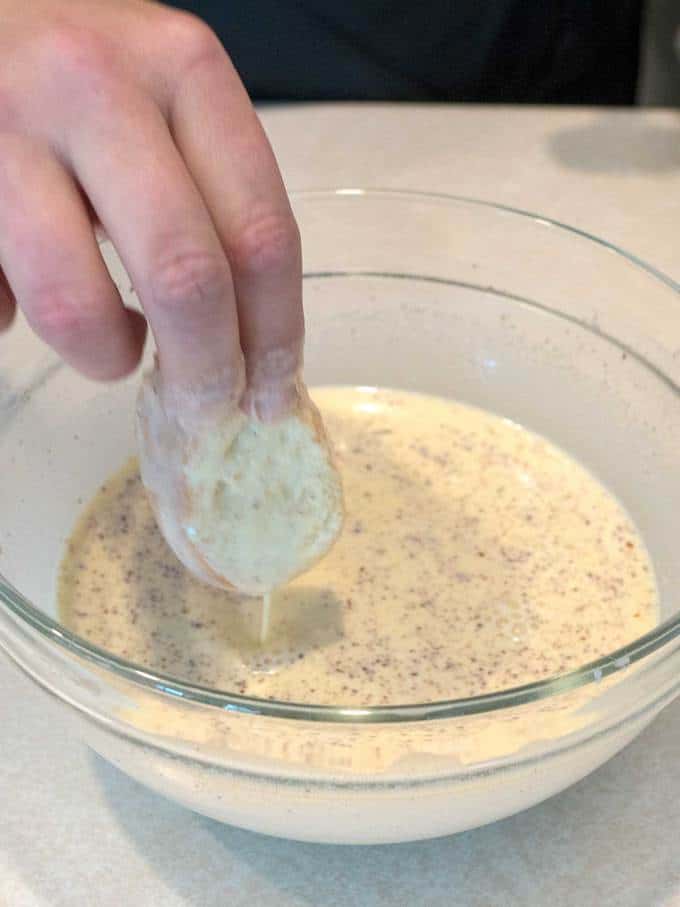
(475,556)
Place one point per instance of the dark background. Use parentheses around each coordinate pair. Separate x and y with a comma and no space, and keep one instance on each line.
(510,51)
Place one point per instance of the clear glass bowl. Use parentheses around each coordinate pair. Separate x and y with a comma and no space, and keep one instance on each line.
(502,309)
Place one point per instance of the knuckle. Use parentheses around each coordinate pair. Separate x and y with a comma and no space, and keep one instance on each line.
(189,280)
(81,55)
(190,40)
(56,316)
(268,244)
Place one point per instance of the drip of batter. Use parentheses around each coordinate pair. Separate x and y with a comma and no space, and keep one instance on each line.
(265,619)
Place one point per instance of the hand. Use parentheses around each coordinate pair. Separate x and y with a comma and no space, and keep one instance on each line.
(129,113)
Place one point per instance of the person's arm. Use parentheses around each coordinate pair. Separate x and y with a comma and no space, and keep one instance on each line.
(131,113)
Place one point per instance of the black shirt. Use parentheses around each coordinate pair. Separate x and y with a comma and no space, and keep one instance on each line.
(541,51)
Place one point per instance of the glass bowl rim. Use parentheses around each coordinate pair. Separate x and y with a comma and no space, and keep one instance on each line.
(667,631)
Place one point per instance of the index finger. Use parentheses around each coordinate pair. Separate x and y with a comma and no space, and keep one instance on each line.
(149,206)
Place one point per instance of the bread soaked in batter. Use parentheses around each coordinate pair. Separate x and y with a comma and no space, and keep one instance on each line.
(475,556)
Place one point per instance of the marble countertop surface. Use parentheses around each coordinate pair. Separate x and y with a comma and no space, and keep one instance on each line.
(74,831)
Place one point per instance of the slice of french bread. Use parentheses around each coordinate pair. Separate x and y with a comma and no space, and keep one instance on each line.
(244,504)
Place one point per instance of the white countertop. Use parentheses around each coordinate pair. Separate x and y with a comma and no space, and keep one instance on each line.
(74,831)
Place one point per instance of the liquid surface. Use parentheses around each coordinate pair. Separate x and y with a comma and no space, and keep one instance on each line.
(475,556)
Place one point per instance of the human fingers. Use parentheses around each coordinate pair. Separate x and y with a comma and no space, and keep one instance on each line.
(227,153)
(52,263)
(121,150)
